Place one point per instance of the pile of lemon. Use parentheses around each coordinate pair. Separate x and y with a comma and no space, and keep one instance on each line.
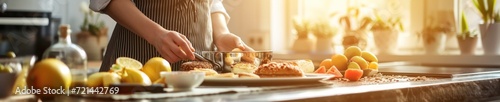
(128,70)
(353,56)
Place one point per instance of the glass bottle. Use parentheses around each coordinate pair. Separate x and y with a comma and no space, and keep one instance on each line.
(71,54)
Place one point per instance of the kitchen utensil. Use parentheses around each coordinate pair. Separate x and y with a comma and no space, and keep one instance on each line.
(201,58)
(228,59)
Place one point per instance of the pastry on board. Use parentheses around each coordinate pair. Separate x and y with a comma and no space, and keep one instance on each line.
(191,65)
(279,69)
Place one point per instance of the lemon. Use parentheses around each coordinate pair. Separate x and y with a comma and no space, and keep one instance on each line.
(352,51)
(128,63)
(154,66)
(135,76)
(96,79)
(110,78)
(49,73)
(115,68)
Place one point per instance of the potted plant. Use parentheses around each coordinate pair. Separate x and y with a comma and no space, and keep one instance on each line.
(304,43)
(324,33)
(93,35)
(385,33)
(467,39)
(489,28)
(355,28)
(434,35)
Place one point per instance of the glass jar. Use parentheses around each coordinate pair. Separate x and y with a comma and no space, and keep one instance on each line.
(71,54)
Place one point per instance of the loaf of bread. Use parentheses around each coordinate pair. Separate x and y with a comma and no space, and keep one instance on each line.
(279,69)
(305,65)
(191,65)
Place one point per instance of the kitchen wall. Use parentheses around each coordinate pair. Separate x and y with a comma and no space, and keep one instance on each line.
(250,19)
(70,12)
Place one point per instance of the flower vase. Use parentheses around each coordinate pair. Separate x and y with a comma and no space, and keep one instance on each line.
(93,44)
(304,45)
(434,43)
(467,45)
(324,45)
(490,38)
(386,41)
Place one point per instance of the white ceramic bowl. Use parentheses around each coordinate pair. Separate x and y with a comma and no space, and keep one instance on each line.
(183,80)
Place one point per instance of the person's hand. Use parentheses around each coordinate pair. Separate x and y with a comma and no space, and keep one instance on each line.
(173,46)
(228,42)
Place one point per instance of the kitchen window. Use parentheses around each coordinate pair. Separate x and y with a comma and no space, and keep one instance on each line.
(415,14)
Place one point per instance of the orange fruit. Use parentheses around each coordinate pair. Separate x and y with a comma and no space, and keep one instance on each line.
(327,63)
(49,73)
(334,71)
(321,70)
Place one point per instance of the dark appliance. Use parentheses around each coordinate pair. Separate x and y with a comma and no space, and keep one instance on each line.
(26,27)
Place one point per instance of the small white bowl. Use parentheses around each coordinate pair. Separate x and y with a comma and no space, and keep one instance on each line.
(183,80)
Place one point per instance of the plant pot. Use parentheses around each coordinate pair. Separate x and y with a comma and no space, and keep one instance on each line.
(92,44)
(490,38)
(355,38)
(467,45)
(324,45)
(434,43)
(304,45)
(386,41)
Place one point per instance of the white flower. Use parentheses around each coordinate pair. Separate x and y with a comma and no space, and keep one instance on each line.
(84,7)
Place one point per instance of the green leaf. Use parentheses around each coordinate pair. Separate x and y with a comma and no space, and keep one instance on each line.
(479,4)
(465,26)
(491,8)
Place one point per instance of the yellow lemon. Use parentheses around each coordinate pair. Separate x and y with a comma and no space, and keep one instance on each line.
(49,73)
(96,79)
(135,76)
(128,63)
(368,56)
(352,51)
(154,66)
(340,61)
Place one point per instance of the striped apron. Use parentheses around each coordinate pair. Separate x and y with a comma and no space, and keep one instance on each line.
(188,17)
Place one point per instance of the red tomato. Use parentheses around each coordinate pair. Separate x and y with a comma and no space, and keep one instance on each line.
(353,74)
(334,71)
(321,70)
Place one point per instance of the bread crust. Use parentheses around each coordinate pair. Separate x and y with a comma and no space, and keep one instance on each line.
(191,65)
(279,69)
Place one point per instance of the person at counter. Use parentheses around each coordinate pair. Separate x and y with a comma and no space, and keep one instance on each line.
(172,29)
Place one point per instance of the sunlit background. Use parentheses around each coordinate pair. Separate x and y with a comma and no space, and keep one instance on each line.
(268,24)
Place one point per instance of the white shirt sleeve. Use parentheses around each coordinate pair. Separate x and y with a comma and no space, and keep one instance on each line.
(217,7)
(98,5)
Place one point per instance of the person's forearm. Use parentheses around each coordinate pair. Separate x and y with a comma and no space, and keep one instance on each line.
(125,13)
(219,25)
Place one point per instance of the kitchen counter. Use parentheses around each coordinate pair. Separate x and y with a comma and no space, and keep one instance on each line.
(470,88)
(478,87)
